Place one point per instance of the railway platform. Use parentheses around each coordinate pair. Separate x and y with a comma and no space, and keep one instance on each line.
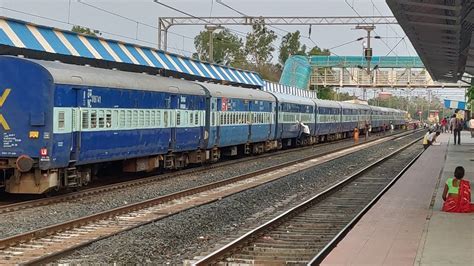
(406,226)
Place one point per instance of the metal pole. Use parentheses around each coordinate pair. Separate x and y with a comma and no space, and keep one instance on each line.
(159,34)
(165,39)
(211,45)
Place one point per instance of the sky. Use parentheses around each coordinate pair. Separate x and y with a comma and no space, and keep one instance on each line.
(77,13)
(122,26)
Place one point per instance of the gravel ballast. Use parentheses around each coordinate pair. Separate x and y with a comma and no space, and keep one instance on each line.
(185,235)
(34,218)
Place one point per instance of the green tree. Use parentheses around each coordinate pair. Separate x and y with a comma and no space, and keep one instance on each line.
(258,46)
(470,98)
(84,30)
(318,51)
(291,45)
(227,47)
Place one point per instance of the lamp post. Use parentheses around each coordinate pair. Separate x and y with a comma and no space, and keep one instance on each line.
(211,29)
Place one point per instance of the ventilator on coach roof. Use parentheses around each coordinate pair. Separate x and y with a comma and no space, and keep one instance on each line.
(47,43)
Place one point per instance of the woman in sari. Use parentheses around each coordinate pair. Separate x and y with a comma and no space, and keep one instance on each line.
(457,193)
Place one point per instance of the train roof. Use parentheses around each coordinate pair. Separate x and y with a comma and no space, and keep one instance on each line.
(327,103)
(354,106)
(90,76)
(286,98)
(218,90)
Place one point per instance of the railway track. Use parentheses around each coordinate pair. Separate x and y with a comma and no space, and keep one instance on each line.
(45,244)
(306,233)
(89,192)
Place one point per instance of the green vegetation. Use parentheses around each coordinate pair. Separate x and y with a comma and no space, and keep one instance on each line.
(470,98)
(256,53)
(85,30)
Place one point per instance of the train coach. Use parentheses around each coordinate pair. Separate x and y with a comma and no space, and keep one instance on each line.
(62,123)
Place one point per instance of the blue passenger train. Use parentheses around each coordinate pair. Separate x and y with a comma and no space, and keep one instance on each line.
(61,123)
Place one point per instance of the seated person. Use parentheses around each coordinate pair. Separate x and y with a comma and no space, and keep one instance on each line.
(457,193)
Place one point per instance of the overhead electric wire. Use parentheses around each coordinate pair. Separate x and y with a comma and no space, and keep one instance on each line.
(73,24)
(391,27)
(364,21)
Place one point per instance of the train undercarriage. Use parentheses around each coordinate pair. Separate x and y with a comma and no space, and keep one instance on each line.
(19,178)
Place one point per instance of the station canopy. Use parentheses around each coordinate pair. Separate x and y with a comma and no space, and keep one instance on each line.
(47,43)
(441,32)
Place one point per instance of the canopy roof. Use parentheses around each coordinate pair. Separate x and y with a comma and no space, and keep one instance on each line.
(46,43)
(441,32)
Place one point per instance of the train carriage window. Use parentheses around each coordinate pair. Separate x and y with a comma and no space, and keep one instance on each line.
(147,118)
(93,119)
(122,119)
(101,119)
(191,118)
(152,118)
(108,119)
(61,120)
(165,118)
(115,117)
(213,119)
(178,118)
(196,118)
(128,118)
(158,118)
(134,118)
(85,119)
(141,118)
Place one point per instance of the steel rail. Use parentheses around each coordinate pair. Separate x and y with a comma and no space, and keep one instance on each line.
(49,231)
(316,260)
(248,237)
(147,180)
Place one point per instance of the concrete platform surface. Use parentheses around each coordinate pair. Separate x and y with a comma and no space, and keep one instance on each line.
(406,226)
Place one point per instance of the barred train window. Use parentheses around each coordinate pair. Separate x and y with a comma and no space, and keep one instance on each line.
(152,118)
(129,118)
(93,119)
(147,118)
(114,118)
(196,119)
(108,119)
(165,118)
(135,118)
(101,119)
(141,118)
(85,119)
(61,118)
(158,118)
(122,119)
(178,118)
(191,118)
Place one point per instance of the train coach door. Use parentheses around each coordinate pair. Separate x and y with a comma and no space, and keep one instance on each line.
(76,126)
(214,123)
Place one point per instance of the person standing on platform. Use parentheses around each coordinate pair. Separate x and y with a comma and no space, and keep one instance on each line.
(471,126)
(457,193)
(444,123)
(356,135)
(456,128)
